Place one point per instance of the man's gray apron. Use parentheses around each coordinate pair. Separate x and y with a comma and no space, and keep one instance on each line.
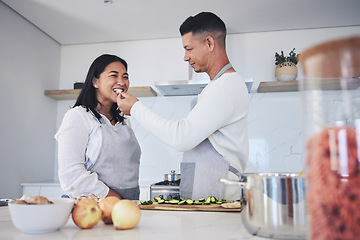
(202,167)
(119,159)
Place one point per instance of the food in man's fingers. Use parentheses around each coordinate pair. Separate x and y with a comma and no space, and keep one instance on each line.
(118,91)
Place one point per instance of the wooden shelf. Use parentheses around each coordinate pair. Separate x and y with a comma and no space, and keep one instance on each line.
(71,94)
(331,84)
(279,86)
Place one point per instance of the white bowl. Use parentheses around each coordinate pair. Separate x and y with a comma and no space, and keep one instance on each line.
(41,218)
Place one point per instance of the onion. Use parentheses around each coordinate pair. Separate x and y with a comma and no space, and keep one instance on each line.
(86,213)
(39,200)
(106,206)
(125,214)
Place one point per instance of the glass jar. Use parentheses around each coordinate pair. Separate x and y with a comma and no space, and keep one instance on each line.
(331,106)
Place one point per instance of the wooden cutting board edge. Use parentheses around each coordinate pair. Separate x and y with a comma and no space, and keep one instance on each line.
(205,208)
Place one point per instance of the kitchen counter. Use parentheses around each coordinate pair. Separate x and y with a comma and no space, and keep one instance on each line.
(174,225)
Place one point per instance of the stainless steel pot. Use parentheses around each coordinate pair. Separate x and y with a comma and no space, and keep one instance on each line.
(172,177)
(274,204)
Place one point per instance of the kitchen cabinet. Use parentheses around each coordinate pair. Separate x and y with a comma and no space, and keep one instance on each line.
(46,189)
(71,94)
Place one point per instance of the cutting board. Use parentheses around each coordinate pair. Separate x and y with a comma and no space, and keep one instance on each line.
(175,207)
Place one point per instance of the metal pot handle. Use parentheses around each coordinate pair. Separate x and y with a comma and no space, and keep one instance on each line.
(232,182)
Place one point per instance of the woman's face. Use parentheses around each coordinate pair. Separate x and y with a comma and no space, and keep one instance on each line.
(113,77)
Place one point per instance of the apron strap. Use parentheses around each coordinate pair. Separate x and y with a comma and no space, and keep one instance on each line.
(234,171)
(226,67)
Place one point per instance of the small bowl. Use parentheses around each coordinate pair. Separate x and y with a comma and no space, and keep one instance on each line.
(46,218)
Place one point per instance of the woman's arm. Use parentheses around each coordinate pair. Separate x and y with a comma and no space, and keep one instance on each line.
(72,137)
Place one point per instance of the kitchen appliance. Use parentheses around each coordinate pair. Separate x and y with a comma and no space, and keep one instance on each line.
(5,201)
(274,204)
(167,189)
(188,87)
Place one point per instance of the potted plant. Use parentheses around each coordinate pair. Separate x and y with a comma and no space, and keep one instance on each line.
(286,68)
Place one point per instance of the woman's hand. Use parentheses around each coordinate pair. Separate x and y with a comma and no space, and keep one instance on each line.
(125,102)
(113,193)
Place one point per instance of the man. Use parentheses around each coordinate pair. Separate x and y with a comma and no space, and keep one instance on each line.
(213,136)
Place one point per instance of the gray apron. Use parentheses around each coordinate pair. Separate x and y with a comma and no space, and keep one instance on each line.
(202,167)
(119,159)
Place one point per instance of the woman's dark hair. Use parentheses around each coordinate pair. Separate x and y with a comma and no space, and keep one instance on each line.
(204,22)
(87,97)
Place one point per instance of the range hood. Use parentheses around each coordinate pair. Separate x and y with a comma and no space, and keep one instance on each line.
(188,87)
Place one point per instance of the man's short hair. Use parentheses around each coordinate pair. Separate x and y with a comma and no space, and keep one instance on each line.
(204,22)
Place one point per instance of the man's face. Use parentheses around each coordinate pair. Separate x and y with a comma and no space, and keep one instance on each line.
(196,51)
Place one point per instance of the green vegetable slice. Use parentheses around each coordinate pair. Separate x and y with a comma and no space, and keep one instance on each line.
(174,201)
(182,202)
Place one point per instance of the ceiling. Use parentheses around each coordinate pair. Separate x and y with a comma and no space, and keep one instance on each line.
(93,21)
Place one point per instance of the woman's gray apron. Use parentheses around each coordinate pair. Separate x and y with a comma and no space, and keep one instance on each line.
(119,159)
(202,167)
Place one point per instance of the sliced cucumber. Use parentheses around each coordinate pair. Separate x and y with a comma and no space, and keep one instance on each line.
(189,201)
(182,202)
(202,200)
(157,199)
(174,201)
(146,202)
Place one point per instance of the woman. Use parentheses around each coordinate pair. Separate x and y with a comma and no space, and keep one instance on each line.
(97,150)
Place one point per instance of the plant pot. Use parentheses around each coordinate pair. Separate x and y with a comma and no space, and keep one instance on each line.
(286,71)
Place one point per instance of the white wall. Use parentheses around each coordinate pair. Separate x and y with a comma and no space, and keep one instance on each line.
(253,54)
(275,118)
(148,60)
(29,64)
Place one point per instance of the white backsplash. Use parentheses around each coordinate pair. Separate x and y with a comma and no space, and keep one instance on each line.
(275,135)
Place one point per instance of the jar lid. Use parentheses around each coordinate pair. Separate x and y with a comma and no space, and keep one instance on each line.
(332,59)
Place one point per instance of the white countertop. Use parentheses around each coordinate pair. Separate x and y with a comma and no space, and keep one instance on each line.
(174,225)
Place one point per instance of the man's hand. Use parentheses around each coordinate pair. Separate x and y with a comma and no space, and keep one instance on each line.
(125,102)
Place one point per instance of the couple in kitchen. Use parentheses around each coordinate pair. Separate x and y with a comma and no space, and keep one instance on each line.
(98,152)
